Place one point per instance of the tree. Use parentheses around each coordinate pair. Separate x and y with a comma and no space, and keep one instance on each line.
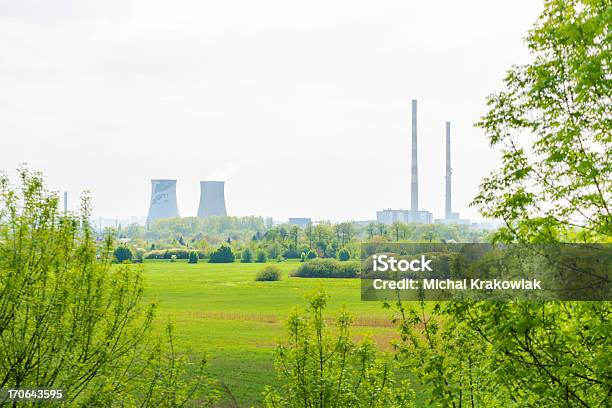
(294,234)
(68,320)
(344,255)
(123,253)
(397,228)
(552,124)
(223,254)
(321,367)
(311,254)
(193,257)
(246,255)
(261,256)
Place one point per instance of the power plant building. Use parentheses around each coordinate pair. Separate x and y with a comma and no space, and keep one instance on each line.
(212,199)
(163,200)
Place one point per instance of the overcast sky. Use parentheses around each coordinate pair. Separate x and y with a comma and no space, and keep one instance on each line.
(303,107)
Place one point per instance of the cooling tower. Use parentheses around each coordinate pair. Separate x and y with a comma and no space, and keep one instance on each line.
(212,199)
(163,200)
(414,176)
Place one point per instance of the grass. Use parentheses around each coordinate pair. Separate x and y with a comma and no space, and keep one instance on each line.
(220,309)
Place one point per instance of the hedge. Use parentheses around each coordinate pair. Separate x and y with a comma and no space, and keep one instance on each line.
(328,268)
(180,253)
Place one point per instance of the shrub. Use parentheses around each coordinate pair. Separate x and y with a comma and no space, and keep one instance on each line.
(261,256)
(327,268)
(139,256)
(344,255)
(291,253)
(223,254)
(325,367)
(311,254)
(180,253)
(123,253)
(193,257)
(246,256)
(71,321)
(269,273)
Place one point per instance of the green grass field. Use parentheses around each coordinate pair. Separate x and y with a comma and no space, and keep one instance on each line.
(221,310)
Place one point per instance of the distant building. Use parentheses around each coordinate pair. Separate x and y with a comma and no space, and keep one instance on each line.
(390,216)
(300,222)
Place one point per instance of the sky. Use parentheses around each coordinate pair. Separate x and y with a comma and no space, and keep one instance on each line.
(302,107)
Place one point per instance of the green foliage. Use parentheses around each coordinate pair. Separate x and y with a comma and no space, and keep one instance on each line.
(321,367)
(193,257)
(165,379)
(274,251)
(554,184)
(179,253)
(311,254)
(246,256)
(123,253)
(327,268)
(269,273)
(344,255)
(68,318)
(139,257)
(243,227)
(552,123)
(223,254)
(261,256)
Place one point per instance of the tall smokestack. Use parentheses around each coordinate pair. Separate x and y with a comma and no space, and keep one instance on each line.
(65,202)
(212,199)
(448,209)
(163,200)
(414,178)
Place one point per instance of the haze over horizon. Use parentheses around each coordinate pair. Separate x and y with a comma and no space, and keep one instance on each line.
(303,108)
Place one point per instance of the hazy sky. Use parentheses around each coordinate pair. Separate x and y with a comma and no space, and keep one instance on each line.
(303,107)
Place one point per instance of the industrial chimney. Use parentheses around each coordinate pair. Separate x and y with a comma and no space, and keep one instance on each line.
(163,200)
(212,199)
(414,178)
(448,208)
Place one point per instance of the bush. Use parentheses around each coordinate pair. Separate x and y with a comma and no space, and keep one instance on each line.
(261,256)
(246,256)
(123,253)
(269,273)
(180,253)
(325,367)
(139,256)
(327,268)
(291,253)
(344,255)
(311,254)
(223,254)
(193,257)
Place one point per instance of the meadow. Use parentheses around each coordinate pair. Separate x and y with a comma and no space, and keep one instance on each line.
(220,309)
